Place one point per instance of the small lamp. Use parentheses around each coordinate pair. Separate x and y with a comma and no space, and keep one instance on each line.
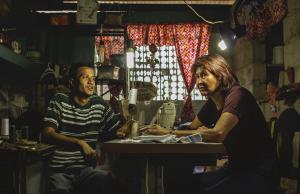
(229,36)
(101,52)
(130,54)
(129,64)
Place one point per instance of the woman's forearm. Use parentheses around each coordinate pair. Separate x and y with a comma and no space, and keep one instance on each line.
(210,135)
(180,133)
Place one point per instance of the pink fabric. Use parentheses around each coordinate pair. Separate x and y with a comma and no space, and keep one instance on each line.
(190,40)
(190,44)
(112,45)
(137,33)
(262,17)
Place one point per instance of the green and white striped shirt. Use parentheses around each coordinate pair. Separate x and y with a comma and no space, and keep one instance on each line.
(83,122)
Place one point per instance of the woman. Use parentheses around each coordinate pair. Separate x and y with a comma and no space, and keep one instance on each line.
(231,116)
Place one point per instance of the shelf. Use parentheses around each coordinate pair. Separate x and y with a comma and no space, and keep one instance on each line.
(16,59)
(110,81)
(287,91)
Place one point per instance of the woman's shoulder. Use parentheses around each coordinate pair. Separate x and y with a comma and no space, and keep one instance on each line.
(239,90)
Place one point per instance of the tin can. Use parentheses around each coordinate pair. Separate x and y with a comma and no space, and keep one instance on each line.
(134,129)
(5,128)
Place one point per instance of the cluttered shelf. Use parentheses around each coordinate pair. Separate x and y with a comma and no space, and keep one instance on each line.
(291,90)
(15,59)
(17,66)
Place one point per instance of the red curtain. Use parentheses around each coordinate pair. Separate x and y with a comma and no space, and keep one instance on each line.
(190,41)
(262,16)
(112,45)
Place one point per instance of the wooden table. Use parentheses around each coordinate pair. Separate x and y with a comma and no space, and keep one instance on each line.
(119,146)
(156,155)
(14,159)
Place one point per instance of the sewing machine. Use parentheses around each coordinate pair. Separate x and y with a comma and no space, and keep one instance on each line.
(166,115)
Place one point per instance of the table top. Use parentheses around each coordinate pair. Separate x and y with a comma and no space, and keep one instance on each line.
(121,146)
(35,149)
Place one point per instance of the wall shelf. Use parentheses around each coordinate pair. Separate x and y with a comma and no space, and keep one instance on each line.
(290,90)
(15,59)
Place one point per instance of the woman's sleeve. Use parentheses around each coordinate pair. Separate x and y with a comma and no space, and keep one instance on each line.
(236,102)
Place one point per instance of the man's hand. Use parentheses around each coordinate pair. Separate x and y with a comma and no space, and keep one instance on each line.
(124,130)
(88,152)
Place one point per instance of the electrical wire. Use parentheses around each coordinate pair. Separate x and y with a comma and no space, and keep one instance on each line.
(207,21)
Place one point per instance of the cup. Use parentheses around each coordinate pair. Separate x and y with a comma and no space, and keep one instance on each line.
(5,128)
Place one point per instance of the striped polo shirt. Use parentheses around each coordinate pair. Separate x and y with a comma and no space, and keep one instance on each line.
(83,122)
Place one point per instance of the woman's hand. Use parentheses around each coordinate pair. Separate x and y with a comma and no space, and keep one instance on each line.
(155,130)
(202,128)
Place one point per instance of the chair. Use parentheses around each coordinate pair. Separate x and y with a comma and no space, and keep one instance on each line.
(289,167)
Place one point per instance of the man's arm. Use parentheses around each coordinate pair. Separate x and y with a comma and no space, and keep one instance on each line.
(223,126)
(53,137)
(124,130)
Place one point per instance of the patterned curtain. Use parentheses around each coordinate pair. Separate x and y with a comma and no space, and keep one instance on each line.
(190,40)
(262,16)
(112,45)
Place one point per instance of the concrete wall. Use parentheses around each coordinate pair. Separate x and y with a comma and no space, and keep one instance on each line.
(248,60)
(291,30)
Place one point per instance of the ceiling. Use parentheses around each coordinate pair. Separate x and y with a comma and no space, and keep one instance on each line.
(133,11)
(214,2)
(131,5)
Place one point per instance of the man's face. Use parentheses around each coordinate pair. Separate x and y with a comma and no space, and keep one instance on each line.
(206,82)
(85,81)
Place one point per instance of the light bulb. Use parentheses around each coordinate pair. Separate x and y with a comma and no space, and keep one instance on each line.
(130,58)
(222,45)
(132,109)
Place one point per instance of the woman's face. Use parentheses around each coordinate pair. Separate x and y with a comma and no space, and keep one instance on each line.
(86,81)
(206,82)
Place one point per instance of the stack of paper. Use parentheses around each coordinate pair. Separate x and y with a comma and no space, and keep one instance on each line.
(157,138)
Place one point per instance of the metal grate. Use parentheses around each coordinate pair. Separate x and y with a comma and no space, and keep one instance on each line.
(163,71)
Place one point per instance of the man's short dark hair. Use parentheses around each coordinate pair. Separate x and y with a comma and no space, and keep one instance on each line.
(75,66)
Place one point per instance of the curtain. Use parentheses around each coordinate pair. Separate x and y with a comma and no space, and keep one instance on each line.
(260,16)
(112,45)
(190,41)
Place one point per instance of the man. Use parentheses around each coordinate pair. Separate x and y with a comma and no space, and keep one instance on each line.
(74,121)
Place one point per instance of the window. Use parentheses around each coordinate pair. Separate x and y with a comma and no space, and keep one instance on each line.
(162,69)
